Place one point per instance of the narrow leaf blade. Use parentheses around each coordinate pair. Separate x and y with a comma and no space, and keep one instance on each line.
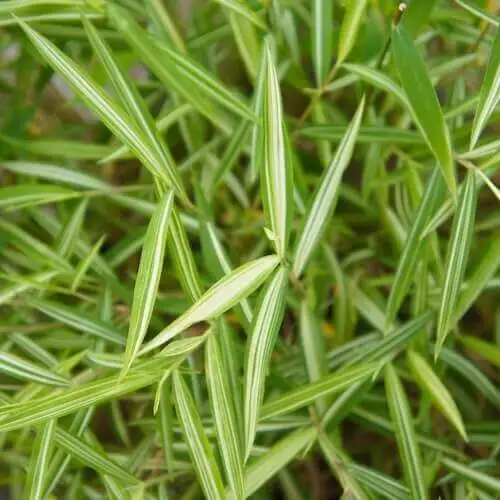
(226,293)
(441,397)
(283,452)
(148,278)
(37,470)
(405,435)
(409,259)
(490,92)
(276,168)
(196,440)
(326,195)
(261,343)
(456,261)
(424,103)
(322,39)
(132,101)
(349,29)
(112,115)
(225,417)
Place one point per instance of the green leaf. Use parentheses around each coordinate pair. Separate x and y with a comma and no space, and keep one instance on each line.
(378,79)
(174,349)
(163,123)
(269,464)
(10,292)
(489,96)
(205,83)
(27,195)
(243,11)
(313,347)
(218,261)
(24,370)
(485,269)
(148,278)
(34,350)
(91,457)
(224,415)
(472,374)
(429,381)
(481,14)
(492,187)
(132,101)
(326,196)
(302,396)
(184,346)
(405,435)
(13,6)
(322,39)
(380,424)
(82,322)
(343,310)
(366,134)
(40,456)
(456,260)
(476,477)
(289,28)
(228,341)
(65,15)
(60,461)
(112,115)
(85,263)
(276,171)
(337,460)
(41,409)
(379,483)
(33,246)
(162,19)
(179,73)
(183,258)
(55,148)
(197,442)
(58,174)
(257,151)
(165,423)
(226,293)
(265,330)
(424,103)
(486,350)
(233,149)
(412,252)
(247,41)
(367,307)
(350,27)
(69,235)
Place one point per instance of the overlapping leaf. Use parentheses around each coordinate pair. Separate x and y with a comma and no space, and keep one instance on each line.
(112,115)
(226,293)
(276,170)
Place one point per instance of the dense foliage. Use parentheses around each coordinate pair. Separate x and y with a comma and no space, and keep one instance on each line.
(249,249)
